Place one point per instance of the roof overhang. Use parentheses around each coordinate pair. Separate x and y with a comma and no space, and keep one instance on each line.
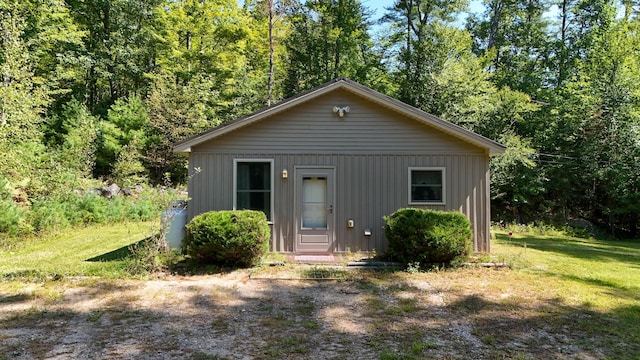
(490,146)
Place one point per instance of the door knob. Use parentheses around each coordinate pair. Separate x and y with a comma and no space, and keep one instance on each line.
(330,209)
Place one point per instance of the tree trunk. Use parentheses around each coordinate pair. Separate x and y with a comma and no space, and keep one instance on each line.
(189,50)
(563,42)
(271,52)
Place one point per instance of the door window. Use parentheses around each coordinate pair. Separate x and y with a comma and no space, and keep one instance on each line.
(314,202)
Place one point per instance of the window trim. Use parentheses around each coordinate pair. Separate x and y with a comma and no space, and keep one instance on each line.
(444,187)
(235,181)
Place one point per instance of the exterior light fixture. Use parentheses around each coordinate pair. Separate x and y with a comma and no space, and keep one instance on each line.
(285,174)
(341,110)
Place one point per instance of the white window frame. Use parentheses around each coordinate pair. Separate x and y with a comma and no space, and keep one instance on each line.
(444,188)
(235,182)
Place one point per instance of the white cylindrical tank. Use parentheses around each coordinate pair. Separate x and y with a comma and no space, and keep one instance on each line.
(174,220)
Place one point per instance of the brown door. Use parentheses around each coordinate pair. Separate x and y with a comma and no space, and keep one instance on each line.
(314,210)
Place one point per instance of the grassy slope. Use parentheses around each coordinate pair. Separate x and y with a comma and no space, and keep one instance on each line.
(586,272)
(594,284)
(66,254)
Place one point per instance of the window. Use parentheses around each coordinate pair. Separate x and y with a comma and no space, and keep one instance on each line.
(253,185)
(426,186)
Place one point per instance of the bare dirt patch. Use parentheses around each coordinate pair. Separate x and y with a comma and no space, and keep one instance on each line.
(244,315)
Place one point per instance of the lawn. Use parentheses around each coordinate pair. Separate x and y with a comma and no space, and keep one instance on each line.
(561,298)
(73,252)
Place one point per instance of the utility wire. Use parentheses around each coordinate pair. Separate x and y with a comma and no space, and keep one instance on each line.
(573,158)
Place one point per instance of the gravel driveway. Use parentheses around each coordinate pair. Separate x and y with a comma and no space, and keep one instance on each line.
(274,315)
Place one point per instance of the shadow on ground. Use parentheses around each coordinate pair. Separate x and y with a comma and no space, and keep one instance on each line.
(121,253)
(381,316)
(600,250)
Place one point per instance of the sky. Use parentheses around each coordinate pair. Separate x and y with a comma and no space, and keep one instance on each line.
(378,7)
(475,7)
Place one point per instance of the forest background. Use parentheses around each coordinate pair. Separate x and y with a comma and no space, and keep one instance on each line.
(97,91)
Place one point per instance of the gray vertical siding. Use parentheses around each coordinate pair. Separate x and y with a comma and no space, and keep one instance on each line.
(371,148)
(368,187)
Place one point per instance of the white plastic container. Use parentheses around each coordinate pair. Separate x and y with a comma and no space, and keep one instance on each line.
(174,220)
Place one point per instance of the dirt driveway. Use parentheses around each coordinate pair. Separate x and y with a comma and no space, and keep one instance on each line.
(277,315)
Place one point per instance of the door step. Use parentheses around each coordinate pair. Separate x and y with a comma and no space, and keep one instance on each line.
(315,259)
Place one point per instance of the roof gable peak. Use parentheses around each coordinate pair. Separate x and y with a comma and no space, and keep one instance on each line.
(491,146)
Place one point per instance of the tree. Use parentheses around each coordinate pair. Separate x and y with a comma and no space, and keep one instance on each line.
(513,34)
(217,40)
(426,39)
(177,111)
(23,99)
(273,11)
(329,39)
(587,132)
(127,119)
(611,101)
(128,169)
(119,48)
(580,22)
(77,152)
(470,99)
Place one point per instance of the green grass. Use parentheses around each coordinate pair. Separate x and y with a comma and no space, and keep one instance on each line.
(603,274)
(90,251)
(593,283)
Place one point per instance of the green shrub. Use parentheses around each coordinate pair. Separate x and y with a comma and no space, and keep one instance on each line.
(232,238)
(49,215)
(427,236)
(61,210)
(58,212)
(143,210)
(12,218)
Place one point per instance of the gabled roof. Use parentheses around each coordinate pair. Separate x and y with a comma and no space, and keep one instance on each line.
(491,146)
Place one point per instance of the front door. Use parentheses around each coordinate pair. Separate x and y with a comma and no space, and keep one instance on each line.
(314,209)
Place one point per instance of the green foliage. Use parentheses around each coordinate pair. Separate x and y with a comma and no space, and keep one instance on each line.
(427,236)
(202,37)
(177,111)
(233,238)
(513,36)
(545,229)
(23,98)
(78,134)
(118,51)
(12,216)
(57,212)
(127,124)
(425,38)
(330,39)
(104,88)
(151,255)
(516,180)
(128,169)
(217,47)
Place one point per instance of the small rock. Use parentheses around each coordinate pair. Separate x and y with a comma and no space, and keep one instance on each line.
(114,189)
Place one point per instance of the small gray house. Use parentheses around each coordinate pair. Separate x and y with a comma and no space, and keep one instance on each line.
(327,165)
